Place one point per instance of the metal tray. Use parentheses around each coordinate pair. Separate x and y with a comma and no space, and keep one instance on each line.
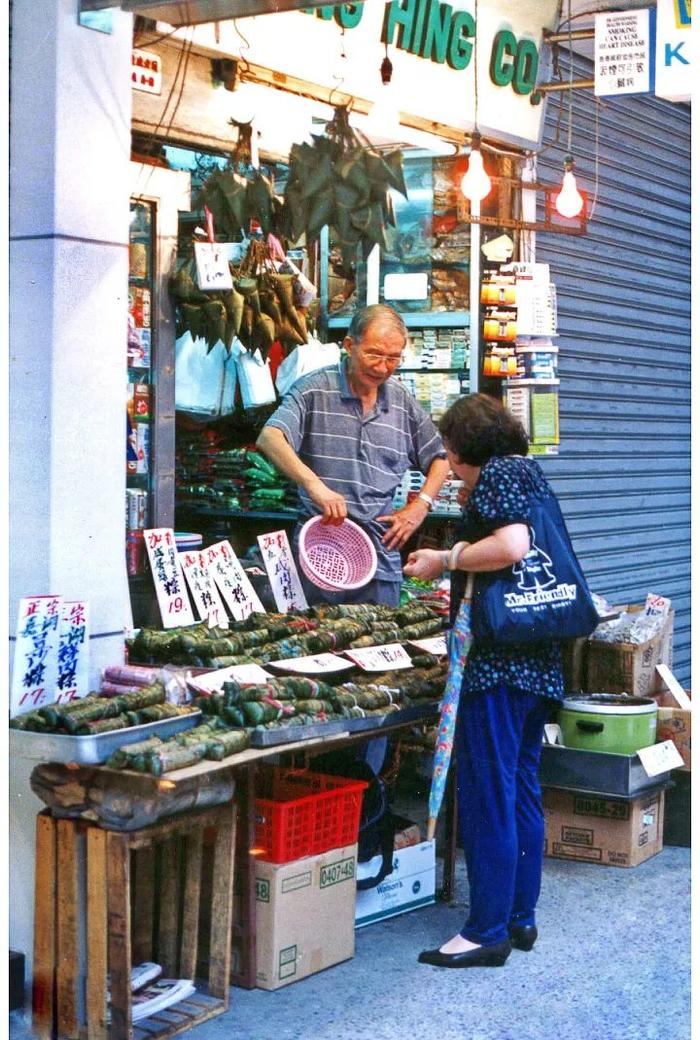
(393,718)
(599,772)
(260,738)
(91,750)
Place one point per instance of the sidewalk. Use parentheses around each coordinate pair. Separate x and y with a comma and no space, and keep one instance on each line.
(612,961)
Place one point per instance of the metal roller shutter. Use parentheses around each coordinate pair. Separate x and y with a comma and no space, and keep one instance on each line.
(623,473)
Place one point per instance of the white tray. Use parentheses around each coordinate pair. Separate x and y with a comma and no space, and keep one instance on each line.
(90,750)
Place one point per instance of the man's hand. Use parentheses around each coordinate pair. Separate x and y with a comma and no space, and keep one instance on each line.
(425,564)
(332,504)
(403,523)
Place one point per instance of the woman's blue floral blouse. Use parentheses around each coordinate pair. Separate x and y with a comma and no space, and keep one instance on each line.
(502,496)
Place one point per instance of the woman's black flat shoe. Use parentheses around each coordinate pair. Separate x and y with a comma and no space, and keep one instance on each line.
(523,936)
(482,957)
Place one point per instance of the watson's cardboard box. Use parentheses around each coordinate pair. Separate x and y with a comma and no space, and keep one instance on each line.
(627,667)
(304,916)
(603,830)
(411,884)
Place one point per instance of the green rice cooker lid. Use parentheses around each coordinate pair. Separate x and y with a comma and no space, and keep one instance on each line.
(610,704)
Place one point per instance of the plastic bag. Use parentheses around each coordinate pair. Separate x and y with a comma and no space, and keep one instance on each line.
(304,359)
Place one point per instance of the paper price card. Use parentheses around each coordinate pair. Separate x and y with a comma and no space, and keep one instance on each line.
(73,651)
(213,271)
(233,582)
(380,658)
(173,601)
(245,674)
(35,670)
(282,571)
(659,758)
(313,665)
(436,645)
(205,594)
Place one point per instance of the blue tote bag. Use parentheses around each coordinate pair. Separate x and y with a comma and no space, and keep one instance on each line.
(544,596)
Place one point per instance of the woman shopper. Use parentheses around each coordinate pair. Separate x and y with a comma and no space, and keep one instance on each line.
(507,691)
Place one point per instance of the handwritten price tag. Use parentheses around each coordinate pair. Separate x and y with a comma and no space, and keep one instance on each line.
(313,665)
(73,651)
(35,669)
(205,594)
(380,658)
(233,582)
(436,645)
(282,571)
(173,601)
(659,758)
(245,674)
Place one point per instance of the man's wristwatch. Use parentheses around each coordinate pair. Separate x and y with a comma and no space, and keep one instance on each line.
(430,502)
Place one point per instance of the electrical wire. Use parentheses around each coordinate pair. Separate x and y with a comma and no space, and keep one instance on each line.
(571,84)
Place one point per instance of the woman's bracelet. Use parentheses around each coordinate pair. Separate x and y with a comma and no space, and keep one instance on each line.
(454,554)
(445,559)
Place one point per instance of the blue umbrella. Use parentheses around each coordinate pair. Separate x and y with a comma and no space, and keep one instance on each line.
(459,646)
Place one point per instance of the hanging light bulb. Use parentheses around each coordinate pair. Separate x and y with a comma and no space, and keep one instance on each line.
(383,119)
(476,183)
(569,201)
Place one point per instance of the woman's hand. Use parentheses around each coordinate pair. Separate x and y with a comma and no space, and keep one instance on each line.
(425,564)
(403,523)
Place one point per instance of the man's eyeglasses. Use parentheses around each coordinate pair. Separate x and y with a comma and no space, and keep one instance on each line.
(390,360)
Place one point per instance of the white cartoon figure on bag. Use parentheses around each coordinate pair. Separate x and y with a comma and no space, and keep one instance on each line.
(534,568)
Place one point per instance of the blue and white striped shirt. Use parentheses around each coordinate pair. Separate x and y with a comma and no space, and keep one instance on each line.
(362,457)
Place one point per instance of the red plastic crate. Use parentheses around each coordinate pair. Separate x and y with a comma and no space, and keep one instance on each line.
(301,814)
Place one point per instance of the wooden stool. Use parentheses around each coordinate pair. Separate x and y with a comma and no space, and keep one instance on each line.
(120,915)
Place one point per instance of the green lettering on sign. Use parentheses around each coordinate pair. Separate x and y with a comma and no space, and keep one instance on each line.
(460,53)
(526,62)
(504,46)
(437,33)
(401,15)
(349,15)
(418,26)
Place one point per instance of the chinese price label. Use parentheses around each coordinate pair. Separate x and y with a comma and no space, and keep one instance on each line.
(245,674)
(173,601)
(73,651)
(660,758)
(312,665)
(233,582)
(213,271)
(205,594)
(380,658)
(282,571)
(436,645)
(35,670)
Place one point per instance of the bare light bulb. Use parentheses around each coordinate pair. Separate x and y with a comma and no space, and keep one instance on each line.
(476,183)
(569,201)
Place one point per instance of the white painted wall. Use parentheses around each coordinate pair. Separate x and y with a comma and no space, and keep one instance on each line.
(69,220)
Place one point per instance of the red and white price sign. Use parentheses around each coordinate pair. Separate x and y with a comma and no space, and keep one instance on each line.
(245,674)
(436,645)
(173,601)
(35,669)
(205,594)
(282,571)
(233,582)
(312,665)
(380,658)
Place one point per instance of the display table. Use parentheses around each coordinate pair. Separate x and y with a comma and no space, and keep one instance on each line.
(120,811)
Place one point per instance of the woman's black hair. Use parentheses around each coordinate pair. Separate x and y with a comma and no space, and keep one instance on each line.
(478,427)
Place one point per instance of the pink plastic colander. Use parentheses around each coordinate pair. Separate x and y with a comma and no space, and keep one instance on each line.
(336,558)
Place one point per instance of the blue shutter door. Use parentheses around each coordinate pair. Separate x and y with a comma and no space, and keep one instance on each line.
(623,290)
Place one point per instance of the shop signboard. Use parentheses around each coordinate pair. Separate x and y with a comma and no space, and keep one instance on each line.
(232,580)
(282,571)
(168,579)
(35,668)
(623,52)
(674,50)
(434,49)
(146,71)
(205,594)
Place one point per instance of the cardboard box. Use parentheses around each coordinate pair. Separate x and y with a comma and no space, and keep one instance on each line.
(628,667)
(304,916)
(611,831)
(673,721)
(410,885)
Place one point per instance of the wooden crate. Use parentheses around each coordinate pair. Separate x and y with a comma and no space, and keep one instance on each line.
(140,896)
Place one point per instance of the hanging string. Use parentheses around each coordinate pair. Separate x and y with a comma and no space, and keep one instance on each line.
(597,156)
(476,66)
(571,83)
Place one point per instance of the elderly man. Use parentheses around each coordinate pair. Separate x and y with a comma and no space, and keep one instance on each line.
(346,435)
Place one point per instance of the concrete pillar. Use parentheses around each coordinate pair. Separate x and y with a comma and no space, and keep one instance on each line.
(69,221)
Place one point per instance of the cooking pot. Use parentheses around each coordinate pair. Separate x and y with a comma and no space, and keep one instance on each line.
(611,722)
